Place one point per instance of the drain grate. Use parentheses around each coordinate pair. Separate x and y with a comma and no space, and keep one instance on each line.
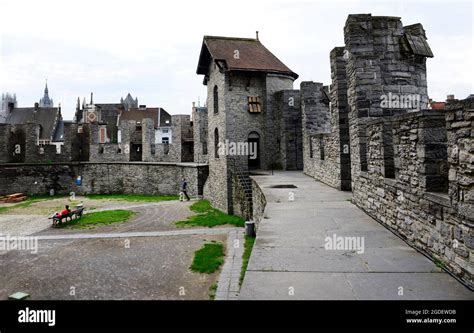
(283,186)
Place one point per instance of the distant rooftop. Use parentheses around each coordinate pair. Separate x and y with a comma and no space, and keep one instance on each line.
(138,114)
(45,117)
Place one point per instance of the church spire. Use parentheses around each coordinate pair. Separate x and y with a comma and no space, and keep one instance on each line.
(46,102)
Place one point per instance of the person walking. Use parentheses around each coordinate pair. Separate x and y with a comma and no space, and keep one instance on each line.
(184,188)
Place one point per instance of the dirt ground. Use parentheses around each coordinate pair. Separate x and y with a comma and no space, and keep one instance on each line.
(105,268)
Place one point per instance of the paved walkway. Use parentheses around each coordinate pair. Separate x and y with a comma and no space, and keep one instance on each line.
(228,286)
(289,259)
(184,232)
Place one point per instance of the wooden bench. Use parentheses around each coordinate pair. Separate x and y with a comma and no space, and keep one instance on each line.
(77,213)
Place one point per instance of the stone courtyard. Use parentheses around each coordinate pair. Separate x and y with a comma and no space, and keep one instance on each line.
(147,257)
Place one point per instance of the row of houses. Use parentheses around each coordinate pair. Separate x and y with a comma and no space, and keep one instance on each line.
(99,132)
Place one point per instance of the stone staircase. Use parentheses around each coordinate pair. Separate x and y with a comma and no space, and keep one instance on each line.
(244,181)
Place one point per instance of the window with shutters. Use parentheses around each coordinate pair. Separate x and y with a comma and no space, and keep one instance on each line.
(102,135)
(255,105)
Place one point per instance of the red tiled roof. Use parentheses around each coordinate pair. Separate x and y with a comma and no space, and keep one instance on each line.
(252,56)
(437,105)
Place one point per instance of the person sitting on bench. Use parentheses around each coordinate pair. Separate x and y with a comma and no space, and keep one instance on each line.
(63,213)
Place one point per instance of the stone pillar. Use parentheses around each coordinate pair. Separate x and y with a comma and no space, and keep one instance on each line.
(148,139)
(460,136)
(289,135)
(201,146)
(340,114)
(31,142)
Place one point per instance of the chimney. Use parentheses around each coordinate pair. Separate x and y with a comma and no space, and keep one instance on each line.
(142,107)
(256,33)
(36,106)
(450,98)
(92,98)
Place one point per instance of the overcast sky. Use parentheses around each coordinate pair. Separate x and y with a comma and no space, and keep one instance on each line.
(151,48)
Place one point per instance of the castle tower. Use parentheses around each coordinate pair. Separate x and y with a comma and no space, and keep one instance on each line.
(242,78)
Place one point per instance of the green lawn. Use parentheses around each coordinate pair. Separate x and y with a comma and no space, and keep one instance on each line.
(209,258)
(249,242)
(132,197)
(209,217)
(99,218)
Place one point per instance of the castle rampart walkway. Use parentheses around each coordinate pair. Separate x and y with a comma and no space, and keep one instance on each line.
(290,261)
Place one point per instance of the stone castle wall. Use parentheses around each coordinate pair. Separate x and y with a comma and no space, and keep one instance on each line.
(101,178)
(409,168)
(415,202)
(321,137)
(81,143)
(259,202)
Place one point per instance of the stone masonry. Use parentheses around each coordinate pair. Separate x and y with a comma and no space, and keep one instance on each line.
(326,134)
(200,132)
(101,178)
(410,168)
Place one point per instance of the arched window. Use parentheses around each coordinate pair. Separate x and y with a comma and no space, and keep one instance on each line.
(216,143)
(216,100)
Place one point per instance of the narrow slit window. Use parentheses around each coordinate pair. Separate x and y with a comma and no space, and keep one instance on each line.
(321,148)
(216,100)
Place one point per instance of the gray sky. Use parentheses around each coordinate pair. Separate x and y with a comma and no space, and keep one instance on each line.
(151,48)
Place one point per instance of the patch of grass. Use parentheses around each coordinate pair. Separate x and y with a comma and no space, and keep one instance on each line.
(201,206)
(249,242)
(132,197)
(439,263)
(212,291)
(3,210)
(99,218)
(209,217)
(209,258)
(30,200)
